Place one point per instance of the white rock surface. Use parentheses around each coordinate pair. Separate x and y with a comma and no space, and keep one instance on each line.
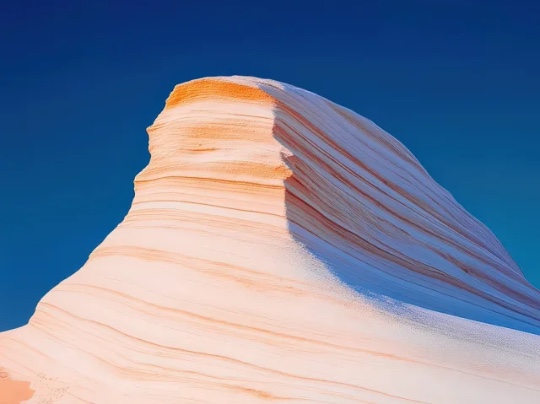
(281,248)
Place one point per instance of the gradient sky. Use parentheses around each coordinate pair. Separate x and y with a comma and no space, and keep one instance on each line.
(458,82)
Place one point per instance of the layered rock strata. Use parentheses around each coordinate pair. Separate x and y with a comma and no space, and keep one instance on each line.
(282,248)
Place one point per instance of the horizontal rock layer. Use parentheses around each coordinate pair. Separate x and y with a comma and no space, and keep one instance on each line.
(281,247)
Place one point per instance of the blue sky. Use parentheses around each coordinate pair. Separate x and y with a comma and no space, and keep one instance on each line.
(456,81)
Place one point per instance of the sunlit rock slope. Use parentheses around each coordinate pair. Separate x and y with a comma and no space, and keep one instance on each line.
(281,248)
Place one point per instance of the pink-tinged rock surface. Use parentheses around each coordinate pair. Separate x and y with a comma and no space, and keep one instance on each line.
(13,391)
(281,248)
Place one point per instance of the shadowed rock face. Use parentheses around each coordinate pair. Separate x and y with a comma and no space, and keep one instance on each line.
(281,247)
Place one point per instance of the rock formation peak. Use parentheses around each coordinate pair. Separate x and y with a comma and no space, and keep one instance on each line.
(282,247)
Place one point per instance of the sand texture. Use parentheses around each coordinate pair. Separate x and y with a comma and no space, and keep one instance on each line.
(281,248)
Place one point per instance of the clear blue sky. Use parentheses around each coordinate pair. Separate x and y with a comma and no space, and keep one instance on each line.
(457,81)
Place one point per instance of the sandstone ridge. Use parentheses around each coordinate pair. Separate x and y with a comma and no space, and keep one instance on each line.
(281,247)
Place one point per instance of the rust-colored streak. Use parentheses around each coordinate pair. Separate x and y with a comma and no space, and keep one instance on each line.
(13,391)
(204,88)
(205,134)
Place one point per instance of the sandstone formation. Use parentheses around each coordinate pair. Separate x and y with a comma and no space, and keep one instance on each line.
(281,248)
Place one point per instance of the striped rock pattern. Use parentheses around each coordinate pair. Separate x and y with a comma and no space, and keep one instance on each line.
(281,248)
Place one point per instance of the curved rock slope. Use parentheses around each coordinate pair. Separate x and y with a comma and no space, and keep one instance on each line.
(281,248)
